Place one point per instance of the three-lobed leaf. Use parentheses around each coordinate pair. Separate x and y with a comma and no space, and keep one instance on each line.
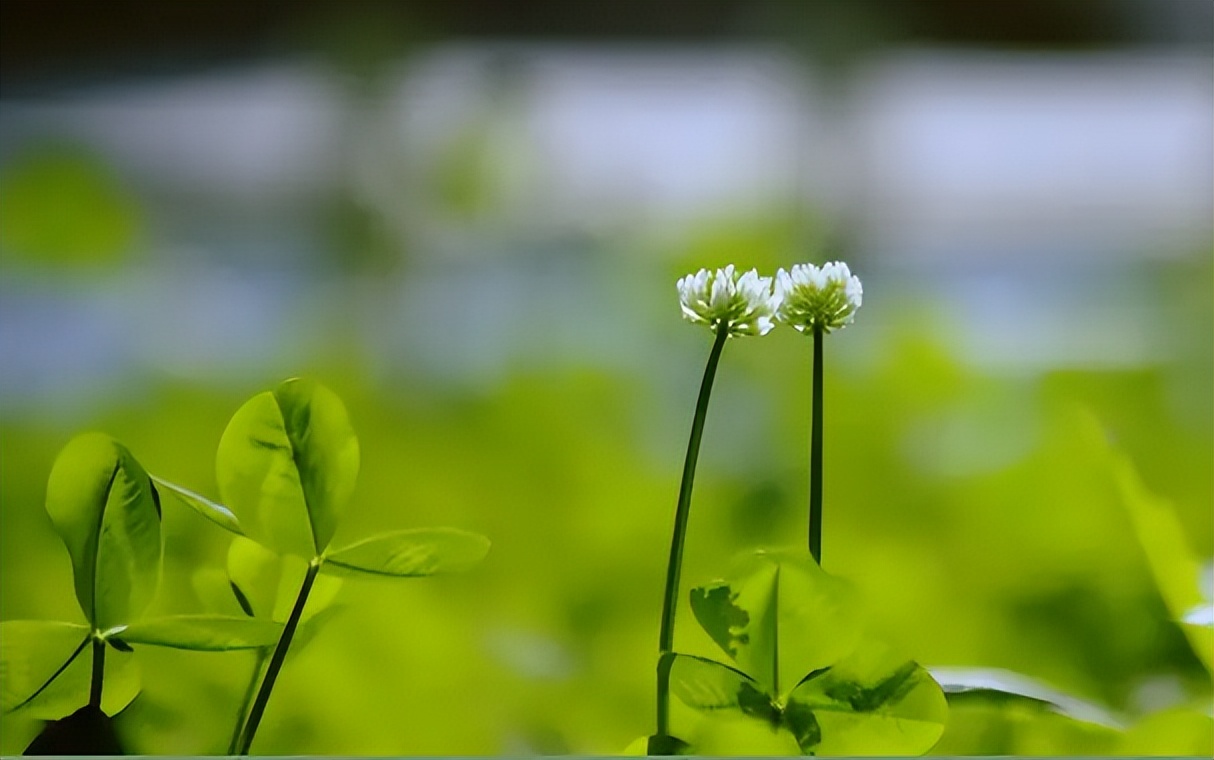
(287,464)
(779,617)
(46,667)
(204,633)
(107,512)
(411,553)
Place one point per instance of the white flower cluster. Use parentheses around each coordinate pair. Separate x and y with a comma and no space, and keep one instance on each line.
(813,297)
(807,298)
(745,304)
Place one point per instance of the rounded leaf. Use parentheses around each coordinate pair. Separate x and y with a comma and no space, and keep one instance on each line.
(873,702)
(107,512)
(704,684)
(780,617)
(411,553)
(46,666)
(204,633)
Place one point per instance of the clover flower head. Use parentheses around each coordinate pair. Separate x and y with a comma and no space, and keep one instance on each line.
(744,303)
(812,297)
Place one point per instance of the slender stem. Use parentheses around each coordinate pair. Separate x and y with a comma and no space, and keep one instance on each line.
(666,636)
(815,456)
(98,673)
(247,700)
(276,660)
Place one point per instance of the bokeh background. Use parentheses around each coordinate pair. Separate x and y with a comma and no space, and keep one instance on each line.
(467,218)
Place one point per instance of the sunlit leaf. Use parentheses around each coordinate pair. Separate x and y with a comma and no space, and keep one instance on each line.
(214,590)
(107,512)
(310,627)
(1177,572)
(733,734)
(707,685)
(980,726)
(779,617)
(872,702)
(286,466)
(1178,732)
(204,633)
(1000,686)
(411,553)
(213,511)
(46,669)
(256,572)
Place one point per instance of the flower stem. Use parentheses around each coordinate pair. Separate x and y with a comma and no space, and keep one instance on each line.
(276,660)
(98,673)
(666,636)
(815,456)
(247,700)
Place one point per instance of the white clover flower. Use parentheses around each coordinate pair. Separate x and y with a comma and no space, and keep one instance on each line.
(813,297)
(745,304)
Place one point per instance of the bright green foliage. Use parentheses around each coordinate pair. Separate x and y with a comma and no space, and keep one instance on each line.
(411,553)
(213,511)
(287,465)
(1178,731)
(780,618)
(804,666)
(1177,572)
(205,633)
(107,512)
(993,686)
(45,670)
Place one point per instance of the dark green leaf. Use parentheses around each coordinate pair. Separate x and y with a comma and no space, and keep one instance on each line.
(287,465)
(88,731)
(205,633)
(105,509)
(1002,686)
(779,616)
(411,553)
(45,671)
(213,511)
(657,746)
(872,702)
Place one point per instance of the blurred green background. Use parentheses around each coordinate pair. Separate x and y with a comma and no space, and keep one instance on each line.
(468,223)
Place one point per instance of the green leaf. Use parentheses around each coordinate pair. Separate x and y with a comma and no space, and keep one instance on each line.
(213,511)
(704,684)
(1003,686)
(1177,572)
(779,617)
(214,590)
(872,702)
(257,573)
(411,553)
(204,633)
(731,733)
(286,466)
(107,512)
(1176,731)
(656,746)
(45,672)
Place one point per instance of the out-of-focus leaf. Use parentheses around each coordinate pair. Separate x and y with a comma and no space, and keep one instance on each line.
(204,633)
(46,668)
(780,617)
(257,573)
(88,731)
(707,685)
(732,734)
(1019,727)
(214,590)
(656,746)
(411,553)
(1178,731)
(999,686)
(212,510)
(310,628)
(872,702)
(287,464)
(107,512)
(32,654)
(1177,572)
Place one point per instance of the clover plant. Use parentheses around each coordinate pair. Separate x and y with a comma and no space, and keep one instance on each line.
(286,467)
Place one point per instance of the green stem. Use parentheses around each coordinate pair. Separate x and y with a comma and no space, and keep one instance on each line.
(250,690)
(815,456)
(98,673)
(276,660)
(666,636)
